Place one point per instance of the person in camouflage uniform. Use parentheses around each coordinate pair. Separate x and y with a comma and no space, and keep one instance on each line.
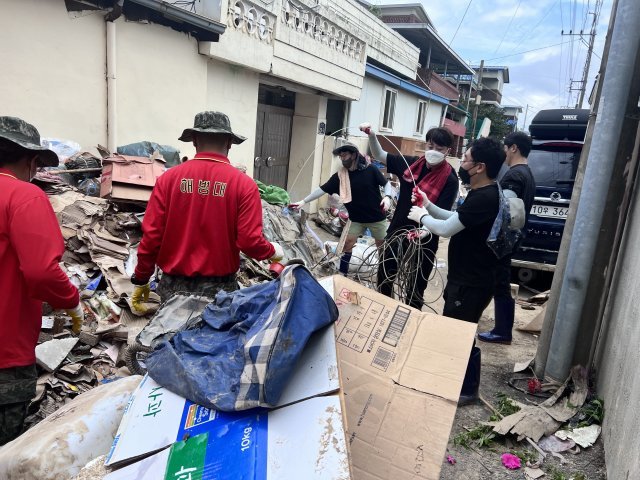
(170,285)
(200,216)
(31,246)
(18,387)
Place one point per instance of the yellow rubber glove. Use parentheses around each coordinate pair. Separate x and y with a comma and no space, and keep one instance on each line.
(279,253)
(77,318)
(140,295)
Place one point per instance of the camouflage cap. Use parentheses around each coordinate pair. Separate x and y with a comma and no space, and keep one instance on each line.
(211,122)
(26,135)
(346,147)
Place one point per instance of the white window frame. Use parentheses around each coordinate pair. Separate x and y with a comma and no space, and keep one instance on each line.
(394,95)
(421,121)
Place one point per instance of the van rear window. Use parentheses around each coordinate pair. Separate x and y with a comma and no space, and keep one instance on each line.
(554,167)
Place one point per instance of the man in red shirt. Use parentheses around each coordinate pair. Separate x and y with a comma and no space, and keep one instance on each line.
(200,216)
(31,247)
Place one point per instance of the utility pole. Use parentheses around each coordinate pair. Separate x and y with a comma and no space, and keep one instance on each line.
(478,100)
(592,38)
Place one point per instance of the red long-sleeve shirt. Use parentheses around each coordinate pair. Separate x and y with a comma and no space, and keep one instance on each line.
(200,216)
(31,246)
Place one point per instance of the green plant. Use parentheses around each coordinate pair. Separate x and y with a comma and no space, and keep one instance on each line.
(557,474)
(526,455)
(592,412)
(560,475)
(480,436)
(506,406)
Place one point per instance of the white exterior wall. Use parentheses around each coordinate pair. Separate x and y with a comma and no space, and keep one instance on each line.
(161,84)
(53,70)
(307,145)
(330,57)
(234,90)
(57,80)
(370,109)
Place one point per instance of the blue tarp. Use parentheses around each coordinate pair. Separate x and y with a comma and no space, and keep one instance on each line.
(243,352)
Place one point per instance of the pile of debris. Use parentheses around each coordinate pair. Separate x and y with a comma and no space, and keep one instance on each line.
(101,238)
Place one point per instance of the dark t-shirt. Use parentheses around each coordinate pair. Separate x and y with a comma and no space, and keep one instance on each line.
(364,206)
(519,179)
(471,262)
(397,166)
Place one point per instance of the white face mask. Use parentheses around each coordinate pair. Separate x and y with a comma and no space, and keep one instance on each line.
(433,157)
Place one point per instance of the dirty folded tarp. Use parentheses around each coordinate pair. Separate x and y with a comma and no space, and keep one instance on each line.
(170,154)
(242,353)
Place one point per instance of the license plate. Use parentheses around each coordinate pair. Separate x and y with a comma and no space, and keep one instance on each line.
(550,211)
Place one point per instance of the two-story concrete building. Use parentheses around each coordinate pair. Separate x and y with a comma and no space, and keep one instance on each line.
(114,72)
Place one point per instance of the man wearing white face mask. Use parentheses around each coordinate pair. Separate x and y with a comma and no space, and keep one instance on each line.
(432,174)
(31,246)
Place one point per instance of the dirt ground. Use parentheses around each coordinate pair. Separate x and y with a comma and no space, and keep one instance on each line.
(497,368)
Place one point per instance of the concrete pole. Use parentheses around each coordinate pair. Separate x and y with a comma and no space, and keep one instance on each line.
(524,124)
(551,310)
(477,102)
(112,111)
(625,42)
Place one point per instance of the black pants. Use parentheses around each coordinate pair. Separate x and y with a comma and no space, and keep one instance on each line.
(465,302)
(504,304)
(17,388)
(388,270)
(503,278)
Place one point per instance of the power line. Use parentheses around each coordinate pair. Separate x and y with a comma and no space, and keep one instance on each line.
(508,26)
(461,20)
(528,34)
(527,51)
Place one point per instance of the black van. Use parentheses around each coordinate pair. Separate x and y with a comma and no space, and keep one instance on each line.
(557,136)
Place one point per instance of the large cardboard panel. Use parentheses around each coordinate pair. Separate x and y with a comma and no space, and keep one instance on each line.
(305,440)
(153,408)
(402,372)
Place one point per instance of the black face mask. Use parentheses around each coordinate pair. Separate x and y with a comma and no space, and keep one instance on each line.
(465,176)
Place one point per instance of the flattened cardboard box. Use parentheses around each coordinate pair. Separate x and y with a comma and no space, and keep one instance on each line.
(401,374)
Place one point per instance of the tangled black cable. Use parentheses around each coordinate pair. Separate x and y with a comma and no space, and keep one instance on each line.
(408,252)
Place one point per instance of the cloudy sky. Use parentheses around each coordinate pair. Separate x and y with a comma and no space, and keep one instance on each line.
(513,32)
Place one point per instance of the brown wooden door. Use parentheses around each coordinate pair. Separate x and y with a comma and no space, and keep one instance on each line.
(273,142)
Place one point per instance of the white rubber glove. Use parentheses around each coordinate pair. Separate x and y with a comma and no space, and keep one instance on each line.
(279,253)
(417,192)
(386,204)
(416,213)
(365,127)
(297,205)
